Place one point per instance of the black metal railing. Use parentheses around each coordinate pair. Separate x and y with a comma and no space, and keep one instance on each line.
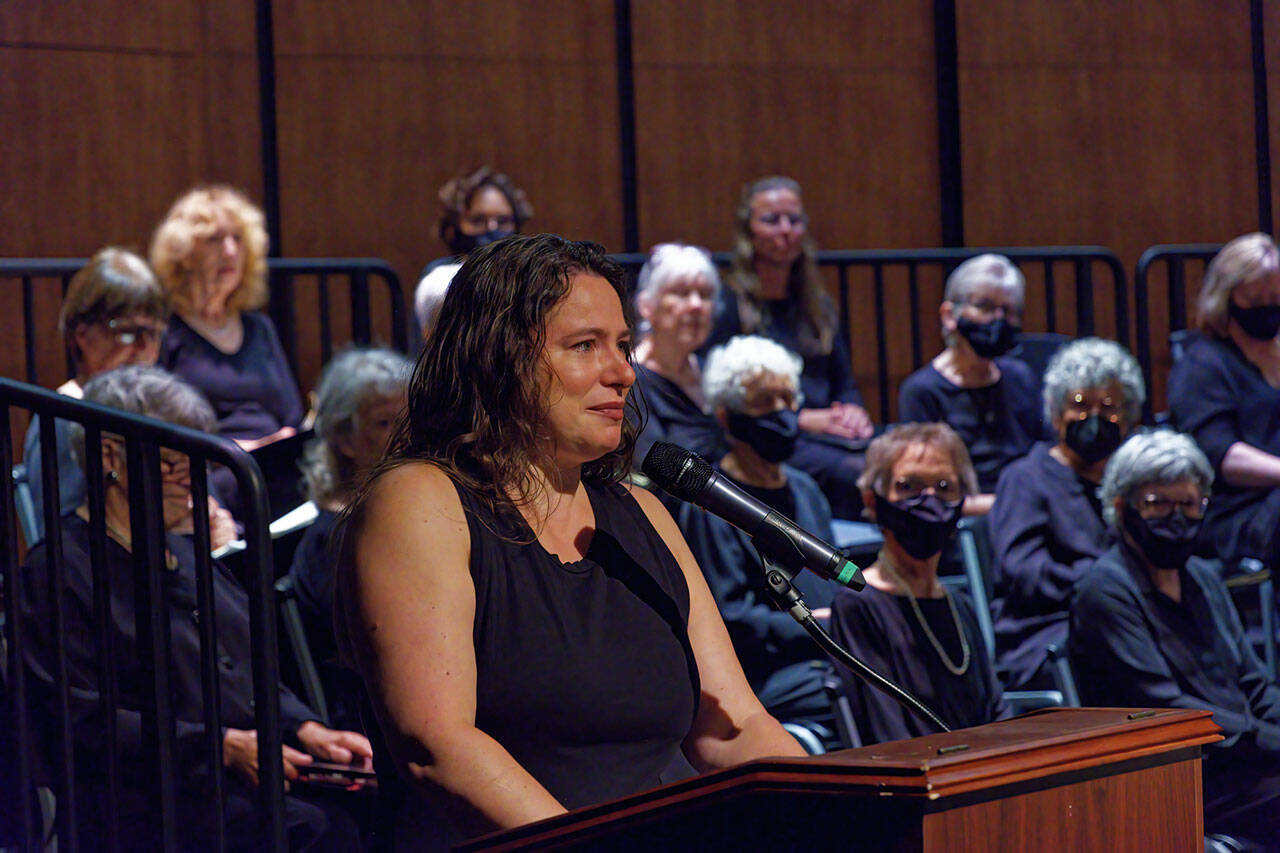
(1174,259)
(35,728)
(1042,265)
(287,278)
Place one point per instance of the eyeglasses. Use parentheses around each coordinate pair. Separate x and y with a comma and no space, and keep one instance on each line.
(795,220)
(1158,506)
(128,334)
(987,308)
(1079,406)
(912,487)
(490,223)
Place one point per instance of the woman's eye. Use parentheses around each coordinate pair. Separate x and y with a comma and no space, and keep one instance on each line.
(584,346)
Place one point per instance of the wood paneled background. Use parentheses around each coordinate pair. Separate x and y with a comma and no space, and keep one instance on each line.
(1122,125)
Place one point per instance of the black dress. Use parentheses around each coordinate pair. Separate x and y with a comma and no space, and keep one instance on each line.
(880,628)
(998,422)
(585,674)
(1046,531)
(672,416)
(1219,397)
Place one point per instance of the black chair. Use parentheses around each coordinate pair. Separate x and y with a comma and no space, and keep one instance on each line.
(1036,348)
(291,622)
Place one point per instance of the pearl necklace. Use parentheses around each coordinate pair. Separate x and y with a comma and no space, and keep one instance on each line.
(963,667)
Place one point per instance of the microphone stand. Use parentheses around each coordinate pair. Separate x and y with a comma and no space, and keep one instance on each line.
(782,590)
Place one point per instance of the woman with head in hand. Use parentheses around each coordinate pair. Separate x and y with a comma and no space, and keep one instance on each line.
(1046,525)
(987,397)
(905,624)
(776,290)
(1225,392)
(535,635)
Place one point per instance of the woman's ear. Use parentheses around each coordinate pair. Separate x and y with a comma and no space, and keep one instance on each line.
(868,505)
(947,317)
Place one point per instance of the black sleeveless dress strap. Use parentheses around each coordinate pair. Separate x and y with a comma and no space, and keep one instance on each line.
(585,673)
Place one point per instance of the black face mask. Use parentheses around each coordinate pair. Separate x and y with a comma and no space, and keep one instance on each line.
(922,525)
(1166,542)
(1094,438)
(989,339)
(772,436)
(461,243)
(1261,323)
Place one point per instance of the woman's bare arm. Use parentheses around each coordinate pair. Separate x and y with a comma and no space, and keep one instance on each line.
(1245,465)
(732,726)
(417,602)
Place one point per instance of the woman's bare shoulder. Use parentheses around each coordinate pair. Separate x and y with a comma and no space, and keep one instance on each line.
(414,493)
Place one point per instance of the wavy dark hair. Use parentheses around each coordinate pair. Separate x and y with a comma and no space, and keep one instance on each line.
(476,399)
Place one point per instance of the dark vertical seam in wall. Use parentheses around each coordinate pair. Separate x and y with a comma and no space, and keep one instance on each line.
(946,67)
(626,125)
(1261,122)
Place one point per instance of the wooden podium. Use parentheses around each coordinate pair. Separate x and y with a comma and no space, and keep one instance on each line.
(1057,780)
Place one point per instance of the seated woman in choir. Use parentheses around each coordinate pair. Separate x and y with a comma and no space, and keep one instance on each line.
(675,296)
(1046,525)
(905,624)
(476,208)
(1225,392)
(114,313)
(535,635)
(360,396)
(752,387)
(1153,626)
(776,290)
(988,398)
(152,392)
(210,252)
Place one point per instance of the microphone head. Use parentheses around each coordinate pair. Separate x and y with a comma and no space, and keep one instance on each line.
(680,472)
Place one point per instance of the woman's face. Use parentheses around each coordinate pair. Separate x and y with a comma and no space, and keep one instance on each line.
(1159,500)
(924,467)
(1259,291)
(488,211)
(766,393)
(679,313)
(374,423)
(175,479)
(588,371)
(218,261)
(778,225)
(1107,401)
(104,346)
(985,303)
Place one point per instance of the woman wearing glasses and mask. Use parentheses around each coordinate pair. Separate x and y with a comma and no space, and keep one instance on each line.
(972,385)
(1046,525)
(1225,392)
(905,624)
(1154,626)
(113,314)
(776,290)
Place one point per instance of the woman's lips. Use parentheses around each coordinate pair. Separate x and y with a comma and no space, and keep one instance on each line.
(612,411)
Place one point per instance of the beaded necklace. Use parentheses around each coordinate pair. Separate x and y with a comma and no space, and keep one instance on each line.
(963,667)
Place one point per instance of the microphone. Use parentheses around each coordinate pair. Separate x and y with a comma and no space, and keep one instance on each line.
(691,478)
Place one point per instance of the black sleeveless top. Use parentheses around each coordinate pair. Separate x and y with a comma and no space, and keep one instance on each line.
(584,670)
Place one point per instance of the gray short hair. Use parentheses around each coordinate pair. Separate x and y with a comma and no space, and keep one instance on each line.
(148,391)
(669,262)
(988,269)
(1242,260)
(730,367)
(350,383)
(1093,363)
(1152,457)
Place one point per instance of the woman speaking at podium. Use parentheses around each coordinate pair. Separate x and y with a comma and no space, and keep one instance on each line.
(535,635)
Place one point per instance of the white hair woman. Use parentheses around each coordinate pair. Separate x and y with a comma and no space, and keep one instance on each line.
(752,388)
(1225,392)
(972,385)
(675,297)
(1153,626)
(1046,525)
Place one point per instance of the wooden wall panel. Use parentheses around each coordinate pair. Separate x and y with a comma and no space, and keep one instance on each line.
(1123,125)
(839,96)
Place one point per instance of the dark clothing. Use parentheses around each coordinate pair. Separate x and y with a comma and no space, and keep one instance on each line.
(997,422)
(826,378)
(71,483)
(881,629)
(252,391)
(1046,531)
(1133,646)
(85,669)
(1219,397)
(777,654)
(314,563)
(673,417)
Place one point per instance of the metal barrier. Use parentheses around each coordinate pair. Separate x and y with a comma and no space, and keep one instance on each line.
(285,275)
(878,262)
(143,438)
(1174,258)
